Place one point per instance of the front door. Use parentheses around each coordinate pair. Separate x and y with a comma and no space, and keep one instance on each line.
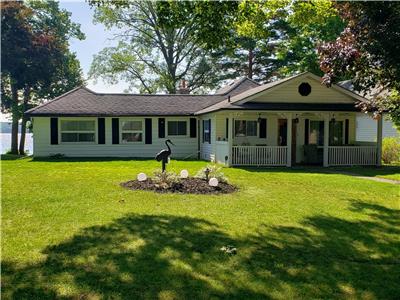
(294,138)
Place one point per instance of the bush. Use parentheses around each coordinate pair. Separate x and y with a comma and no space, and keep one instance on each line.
(165,180)
(391,150)
(215,171)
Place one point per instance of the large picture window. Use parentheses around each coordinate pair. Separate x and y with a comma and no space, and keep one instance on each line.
(316,133)
(132,131)
(75,131)
(177,128)
(245,128)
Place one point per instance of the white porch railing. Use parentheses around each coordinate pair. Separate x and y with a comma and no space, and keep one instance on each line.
(259,155)
(352,155)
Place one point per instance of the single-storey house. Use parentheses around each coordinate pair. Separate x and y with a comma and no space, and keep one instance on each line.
(291,121)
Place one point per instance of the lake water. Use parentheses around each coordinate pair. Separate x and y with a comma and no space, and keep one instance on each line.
(5,140)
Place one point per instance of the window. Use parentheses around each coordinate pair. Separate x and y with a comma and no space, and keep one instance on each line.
(132,131)
(316,133)
(177,128)
(336,133)
(74,131)
(207,131)
(245,128)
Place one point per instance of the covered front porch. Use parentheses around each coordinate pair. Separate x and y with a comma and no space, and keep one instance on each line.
(265,138)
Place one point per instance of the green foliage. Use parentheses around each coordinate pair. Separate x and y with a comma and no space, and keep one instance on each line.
(293,28)
(153,53)
(367,52)
(391,150)
(214,171)
(36,62)
(165,180)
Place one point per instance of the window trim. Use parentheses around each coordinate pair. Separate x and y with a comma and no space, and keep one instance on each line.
(60,131)
(309,131)
(176,120)
(204,131)
(343,132)
(245,136)
(330,132)
(121,131)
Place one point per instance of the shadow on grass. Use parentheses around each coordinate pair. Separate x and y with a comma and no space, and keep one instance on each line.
(155,256)
(13,157)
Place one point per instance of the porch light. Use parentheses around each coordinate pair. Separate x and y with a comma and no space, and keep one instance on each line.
(259,118)
(296,120)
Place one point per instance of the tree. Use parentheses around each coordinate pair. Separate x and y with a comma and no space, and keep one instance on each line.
(159,44)
(368,52)
(36,62)
(293,28)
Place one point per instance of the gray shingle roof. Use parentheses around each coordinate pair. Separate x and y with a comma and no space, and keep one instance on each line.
(84,102)
(238,86)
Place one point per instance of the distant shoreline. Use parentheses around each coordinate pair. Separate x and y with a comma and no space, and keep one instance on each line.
(5,142)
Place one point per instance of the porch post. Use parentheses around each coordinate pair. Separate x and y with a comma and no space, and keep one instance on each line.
(289,141)
(326,140)
(379,141)
(230,140)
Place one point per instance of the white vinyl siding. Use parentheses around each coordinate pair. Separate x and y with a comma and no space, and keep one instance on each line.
(184,146)
(366,128)
(288,92)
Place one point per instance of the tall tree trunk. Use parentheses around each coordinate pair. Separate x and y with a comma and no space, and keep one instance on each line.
(15,119)
(250,65)
(27,92)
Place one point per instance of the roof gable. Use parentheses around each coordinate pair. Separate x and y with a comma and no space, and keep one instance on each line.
(286,91)
(238,86)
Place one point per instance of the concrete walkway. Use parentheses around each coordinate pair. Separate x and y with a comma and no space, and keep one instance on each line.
(377,179)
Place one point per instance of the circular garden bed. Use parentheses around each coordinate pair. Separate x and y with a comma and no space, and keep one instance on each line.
(184,185)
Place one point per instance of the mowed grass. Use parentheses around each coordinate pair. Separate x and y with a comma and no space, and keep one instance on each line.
(70,231)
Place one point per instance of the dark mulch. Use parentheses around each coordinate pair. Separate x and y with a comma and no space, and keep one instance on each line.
(185,186)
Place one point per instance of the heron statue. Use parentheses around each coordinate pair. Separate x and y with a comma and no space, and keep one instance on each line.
(164,154)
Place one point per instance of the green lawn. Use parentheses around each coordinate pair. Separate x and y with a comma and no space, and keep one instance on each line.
(300,234)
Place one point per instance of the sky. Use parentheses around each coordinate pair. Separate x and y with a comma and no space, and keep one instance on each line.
(97,38)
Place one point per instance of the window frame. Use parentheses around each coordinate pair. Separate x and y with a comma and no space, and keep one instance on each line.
(257,133)
(208,141)
(179,135)
(309,132)
(122,131)
(343,133)
(60,131)
(330,131)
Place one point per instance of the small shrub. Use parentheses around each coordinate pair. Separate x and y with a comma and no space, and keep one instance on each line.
(215,171)
(165,180)
(391,150)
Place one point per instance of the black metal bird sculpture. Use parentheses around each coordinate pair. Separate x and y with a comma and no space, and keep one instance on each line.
(164,154)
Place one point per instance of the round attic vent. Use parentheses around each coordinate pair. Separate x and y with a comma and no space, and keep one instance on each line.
(304,89)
